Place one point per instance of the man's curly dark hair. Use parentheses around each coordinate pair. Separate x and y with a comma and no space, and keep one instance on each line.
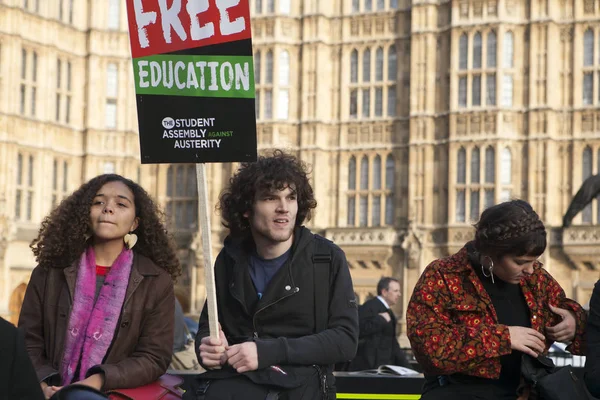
(63,235)
(269,173)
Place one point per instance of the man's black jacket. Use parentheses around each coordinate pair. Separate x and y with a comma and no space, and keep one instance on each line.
(282,322)
(378,343)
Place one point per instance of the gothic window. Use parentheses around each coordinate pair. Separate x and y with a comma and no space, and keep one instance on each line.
(463,51)
(284,82)
(111,96)
(508,50)
(354,66)
(588,48)
(364,173)
(490,165)
(491,49)
(269,67)
(461,166)
(475,165)
(367,66)
(25,187)
(352,174)
(182,198)
(113,14)
(373,198)
(477,51)
(506,174)
(586,213)
(507,90)
(379,64)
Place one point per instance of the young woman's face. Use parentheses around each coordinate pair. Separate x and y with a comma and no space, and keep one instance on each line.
(512,268)
(112,215)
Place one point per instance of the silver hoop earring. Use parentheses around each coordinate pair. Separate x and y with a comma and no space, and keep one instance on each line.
(490,269)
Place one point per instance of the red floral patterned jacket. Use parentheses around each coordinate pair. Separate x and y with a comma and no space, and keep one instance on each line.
(453,327)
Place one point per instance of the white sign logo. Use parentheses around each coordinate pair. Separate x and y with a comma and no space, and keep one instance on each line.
(168,123)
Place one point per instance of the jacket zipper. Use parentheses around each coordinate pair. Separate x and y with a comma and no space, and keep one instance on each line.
(296,290)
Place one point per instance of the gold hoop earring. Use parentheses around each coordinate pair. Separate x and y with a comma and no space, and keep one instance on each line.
(130,240)
(490,269)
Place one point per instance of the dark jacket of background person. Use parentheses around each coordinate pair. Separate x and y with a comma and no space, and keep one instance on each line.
(592,361)
(378,342)
(142,347)
(282,322)
(17,376)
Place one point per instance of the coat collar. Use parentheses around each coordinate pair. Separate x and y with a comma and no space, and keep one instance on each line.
(142,267)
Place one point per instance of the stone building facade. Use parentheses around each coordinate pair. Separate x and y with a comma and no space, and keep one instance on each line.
(414,115)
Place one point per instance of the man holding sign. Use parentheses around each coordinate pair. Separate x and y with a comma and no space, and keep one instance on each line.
(285,298)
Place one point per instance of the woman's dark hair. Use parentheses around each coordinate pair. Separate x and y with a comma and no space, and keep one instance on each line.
(511,228)
(268,174)
(62,238)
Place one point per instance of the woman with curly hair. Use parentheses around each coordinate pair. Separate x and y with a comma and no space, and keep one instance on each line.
(474,314)
(98,310)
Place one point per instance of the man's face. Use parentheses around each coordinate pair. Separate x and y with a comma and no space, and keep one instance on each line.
(392,294)
(273,216)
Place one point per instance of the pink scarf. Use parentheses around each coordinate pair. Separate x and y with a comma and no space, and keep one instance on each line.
(92,323)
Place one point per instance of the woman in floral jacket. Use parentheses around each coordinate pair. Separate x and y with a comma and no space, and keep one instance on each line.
(472,315)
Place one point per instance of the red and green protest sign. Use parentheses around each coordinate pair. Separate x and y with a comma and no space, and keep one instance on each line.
(194,80)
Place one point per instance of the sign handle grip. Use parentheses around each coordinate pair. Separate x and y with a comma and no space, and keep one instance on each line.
(209,273)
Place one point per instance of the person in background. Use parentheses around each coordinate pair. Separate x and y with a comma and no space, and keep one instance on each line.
(473,315)
(17,376)
(378,340)
(98,310)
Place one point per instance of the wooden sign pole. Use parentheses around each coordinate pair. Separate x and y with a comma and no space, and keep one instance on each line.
(209,273)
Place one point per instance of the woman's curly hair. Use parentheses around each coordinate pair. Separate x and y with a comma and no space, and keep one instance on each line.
(63,235)
(512,227)
(270,173)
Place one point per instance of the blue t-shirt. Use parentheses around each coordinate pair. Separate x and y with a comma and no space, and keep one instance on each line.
(262,271)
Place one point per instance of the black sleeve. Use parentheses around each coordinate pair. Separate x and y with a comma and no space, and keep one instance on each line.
(370,322)
(592,362)
(25,385)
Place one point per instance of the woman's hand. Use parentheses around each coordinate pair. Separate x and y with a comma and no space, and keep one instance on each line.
(526,340)
(95,381)
(49,390)
(565,330)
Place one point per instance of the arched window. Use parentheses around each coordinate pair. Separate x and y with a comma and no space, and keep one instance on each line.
(257,61)
(368,5)
(258,6)
(477,50)
(461,167)
(509,50)
(379,64)
(284,68)
(506,167)
(380,5)
(364,173)
(377,173)
(490,165)
(389,173)
(491,49)
(389,186)
(352,174)
(392,64)
(475,165)
(586,213)
(354,66)
(367,66)
(355,5)
(463,51)
(269,67)
(588,48)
